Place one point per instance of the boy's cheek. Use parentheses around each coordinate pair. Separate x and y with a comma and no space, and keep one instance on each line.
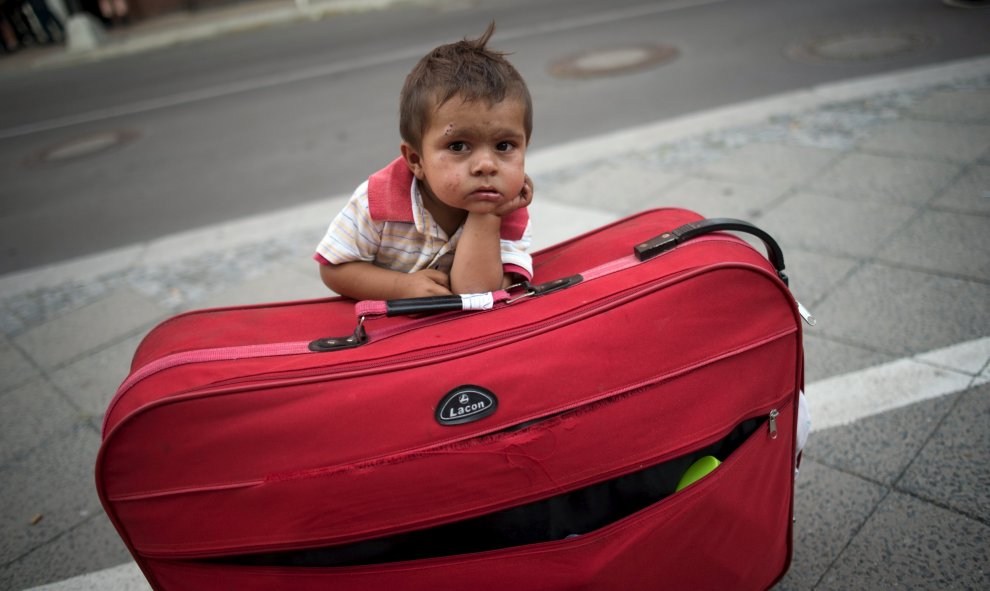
(454,188)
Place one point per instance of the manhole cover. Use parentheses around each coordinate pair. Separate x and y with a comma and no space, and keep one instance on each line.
(81,147)
(612,62)
(860,46)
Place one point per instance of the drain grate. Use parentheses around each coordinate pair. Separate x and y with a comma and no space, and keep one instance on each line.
(613,62)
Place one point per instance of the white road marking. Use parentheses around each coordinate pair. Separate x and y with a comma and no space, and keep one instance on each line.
(840,400)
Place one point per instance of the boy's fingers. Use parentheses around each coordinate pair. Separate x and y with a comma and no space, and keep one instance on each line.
(438,277)
(438,289)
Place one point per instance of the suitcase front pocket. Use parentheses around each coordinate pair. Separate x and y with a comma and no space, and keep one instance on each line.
(632,532)
(566,516)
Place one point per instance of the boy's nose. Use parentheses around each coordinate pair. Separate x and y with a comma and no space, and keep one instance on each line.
(484,164)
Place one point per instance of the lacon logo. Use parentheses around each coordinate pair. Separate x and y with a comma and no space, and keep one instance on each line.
(465,404)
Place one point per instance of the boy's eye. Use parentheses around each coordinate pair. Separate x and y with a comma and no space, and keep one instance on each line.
(457,147)
(504,146)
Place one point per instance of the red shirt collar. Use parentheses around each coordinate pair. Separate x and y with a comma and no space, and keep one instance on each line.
(389,200)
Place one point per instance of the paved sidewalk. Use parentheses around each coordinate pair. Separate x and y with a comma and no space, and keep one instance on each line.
(879,192)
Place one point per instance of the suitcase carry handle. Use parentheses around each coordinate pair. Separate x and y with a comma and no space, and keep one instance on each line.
(668,240)
(643,251)
(485,301)
(436,304)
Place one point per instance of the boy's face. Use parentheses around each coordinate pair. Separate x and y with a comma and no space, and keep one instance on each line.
(472,155)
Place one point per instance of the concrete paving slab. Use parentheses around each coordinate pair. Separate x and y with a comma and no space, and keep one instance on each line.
(92,544)
(305,265)
(32,308)
(81,269)
(10,324)
(32,414)
(877,448)
(829,507)
(962,247)
(48,491)
(954,466)
(622,187)
(813,275)
(786,163)
(834,226)
(825,358)
(970,193)
(954,105)
(930,139)
(721,199)
(901,311)
(124,577)
(15,368)
(86,329)
(911,544)
(90,382)
(885,179)
(301,256)
(279,285)
(560,221)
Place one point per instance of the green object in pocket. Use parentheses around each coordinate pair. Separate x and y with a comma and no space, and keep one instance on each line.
(698,470)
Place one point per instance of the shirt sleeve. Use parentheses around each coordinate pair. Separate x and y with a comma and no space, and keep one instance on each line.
(515,255)
(352,235)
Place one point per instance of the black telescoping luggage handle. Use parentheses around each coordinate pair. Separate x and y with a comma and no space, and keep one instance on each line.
(668,240)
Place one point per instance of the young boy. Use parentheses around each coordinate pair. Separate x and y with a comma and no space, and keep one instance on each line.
(448,216)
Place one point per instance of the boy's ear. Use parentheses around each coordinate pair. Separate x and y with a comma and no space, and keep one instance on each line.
(413,159)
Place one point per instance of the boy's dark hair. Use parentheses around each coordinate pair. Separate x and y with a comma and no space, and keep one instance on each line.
(466,68)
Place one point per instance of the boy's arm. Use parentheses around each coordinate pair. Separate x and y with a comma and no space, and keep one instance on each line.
(478,261)
(364,281)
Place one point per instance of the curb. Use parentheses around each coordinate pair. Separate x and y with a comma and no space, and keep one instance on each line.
(569,155)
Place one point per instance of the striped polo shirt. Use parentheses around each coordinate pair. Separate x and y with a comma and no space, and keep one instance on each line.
(381,229)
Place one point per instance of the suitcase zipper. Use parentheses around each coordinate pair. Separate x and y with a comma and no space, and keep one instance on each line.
(304,347)
(696,448)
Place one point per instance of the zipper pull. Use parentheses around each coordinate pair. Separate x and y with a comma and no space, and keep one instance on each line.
(806,314)
(773,423)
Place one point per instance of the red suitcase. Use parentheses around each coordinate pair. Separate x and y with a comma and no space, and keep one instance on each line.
(533,445)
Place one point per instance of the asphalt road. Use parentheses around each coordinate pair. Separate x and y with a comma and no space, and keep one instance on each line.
(279,116)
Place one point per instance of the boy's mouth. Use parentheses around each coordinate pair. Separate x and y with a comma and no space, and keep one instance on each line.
(487,194)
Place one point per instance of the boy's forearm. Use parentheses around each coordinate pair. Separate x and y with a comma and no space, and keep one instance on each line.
(478,261)
(362,281)
(357,280)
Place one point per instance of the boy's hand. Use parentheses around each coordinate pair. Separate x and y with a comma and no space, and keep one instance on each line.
(524,198)
(428,282)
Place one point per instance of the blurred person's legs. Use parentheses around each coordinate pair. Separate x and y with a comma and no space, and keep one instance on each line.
(8,39)
(51,27)
(16,25)
(115,11)
(967,3)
